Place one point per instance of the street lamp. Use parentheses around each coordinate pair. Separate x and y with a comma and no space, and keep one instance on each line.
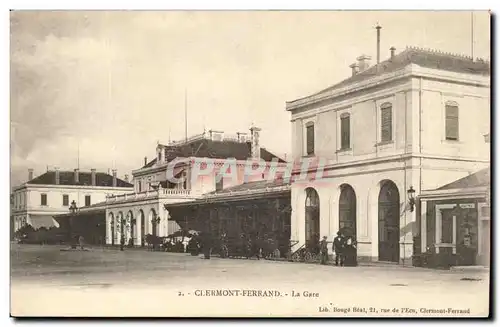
(411,198)
(73,209)
(123,222)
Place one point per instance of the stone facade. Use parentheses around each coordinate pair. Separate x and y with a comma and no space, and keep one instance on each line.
(416,155)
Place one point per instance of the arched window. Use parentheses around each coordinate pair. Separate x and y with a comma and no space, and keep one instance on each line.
(312,199)
(386,122)
(312,221)
(452,126)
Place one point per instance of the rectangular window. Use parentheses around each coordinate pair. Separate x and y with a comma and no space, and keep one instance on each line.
(139,186)
(87,200)
(310,140)
(219,184)
(43,199)
(65,200)
(345,132)
(386,124)
(452,122)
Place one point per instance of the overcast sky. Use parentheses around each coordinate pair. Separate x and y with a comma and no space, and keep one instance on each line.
(112,84)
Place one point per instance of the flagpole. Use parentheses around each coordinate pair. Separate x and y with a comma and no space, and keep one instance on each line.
(185,115)
(472,34)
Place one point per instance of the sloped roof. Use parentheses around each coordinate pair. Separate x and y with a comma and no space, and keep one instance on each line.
(422,57)
(252,186)
(478,179)
(235,193)
(205,148)
(85,178)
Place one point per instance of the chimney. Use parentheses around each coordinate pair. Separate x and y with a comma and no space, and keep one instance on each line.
(77,176)
(378,43)
(126,178)
(145,161)
(393,52)
(114,177)
(254,132)
(30,174)
(363,62)
(92,176)
(355,68)
(57,181)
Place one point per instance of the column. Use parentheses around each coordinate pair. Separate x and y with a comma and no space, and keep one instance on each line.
(438,228)
(138,236)
(454,249)
(423,226)
(108,229)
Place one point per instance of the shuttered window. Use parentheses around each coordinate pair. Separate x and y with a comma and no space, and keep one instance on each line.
(451,122)
(43,199)
(345,132)
(386,122)
(65,200)
(310,139)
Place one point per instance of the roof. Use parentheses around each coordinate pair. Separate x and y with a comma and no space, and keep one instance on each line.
(427,58)
(39,221)
(85,178)
(205,148)
(252,186)
(243,192)
(478,179)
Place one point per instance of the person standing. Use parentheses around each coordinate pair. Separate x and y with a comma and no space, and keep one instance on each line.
(338,248)
(351,259)
(324,250)
(207,245)
(80,241)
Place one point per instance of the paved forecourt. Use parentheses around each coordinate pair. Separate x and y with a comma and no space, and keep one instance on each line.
(143,283)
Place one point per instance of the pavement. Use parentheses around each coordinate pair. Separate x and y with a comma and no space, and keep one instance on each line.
(46,281)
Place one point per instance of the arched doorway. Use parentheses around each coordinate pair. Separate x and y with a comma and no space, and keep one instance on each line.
(112,227)
(347,210)
(312,218)
(388,222)
(143,226)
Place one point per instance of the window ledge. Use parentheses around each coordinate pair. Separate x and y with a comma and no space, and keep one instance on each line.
(385,143)
(312,155)
(346,150)
(451,141)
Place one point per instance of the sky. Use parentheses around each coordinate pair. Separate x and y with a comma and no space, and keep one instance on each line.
(99,89)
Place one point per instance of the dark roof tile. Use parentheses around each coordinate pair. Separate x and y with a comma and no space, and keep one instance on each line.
(478,179)
(85,178)
(205,148)
(422,57)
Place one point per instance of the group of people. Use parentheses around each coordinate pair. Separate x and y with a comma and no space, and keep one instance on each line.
(344,248)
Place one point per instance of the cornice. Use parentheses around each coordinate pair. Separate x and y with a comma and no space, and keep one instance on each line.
(409,71)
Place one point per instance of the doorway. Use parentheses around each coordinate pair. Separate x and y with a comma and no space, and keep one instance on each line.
(388,222)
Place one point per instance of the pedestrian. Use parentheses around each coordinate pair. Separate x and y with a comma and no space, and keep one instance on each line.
(350,252)
(207,246)
(338,248)
(122,242)
(80,241)
(324,250)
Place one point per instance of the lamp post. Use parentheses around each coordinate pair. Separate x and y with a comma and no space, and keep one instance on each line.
(411,198)
(123,222)
(112,223)
(155,221)
(73,209)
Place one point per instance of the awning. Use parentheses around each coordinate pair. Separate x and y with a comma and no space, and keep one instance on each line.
(39,221)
